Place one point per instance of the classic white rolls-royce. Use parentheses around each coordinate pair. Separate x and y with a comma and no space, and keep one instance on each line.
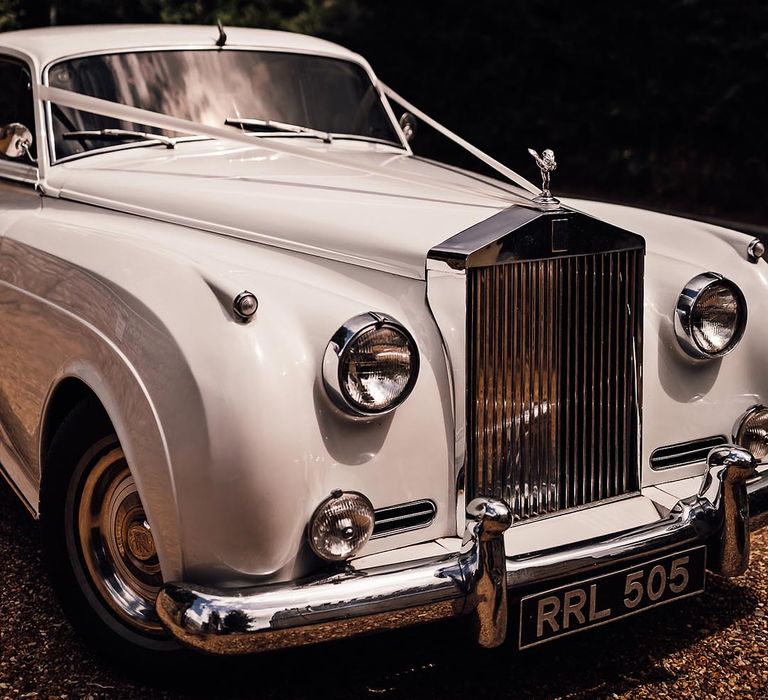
(268,378)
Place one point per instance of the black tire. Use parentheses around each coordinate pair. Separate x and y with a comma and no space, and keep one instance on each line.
(82,444)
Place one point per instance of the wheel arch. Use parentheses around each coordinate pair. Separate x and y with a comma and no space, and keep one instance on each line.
(68,393)
(124,402)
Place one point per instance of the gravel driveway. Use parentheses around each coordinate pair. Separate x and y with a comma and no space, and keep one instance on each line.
(713,646)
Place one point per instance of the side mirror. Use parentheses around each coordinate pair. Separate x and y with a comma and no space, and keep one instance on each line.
(408,124)
(15,141)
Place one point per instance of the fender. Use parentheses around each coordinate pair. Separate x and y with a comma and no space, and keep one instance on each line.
(88,355)
(227,428)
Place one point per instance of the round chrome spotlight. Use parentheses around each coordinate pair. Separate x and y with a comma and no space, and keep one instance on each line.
(755,250)
(710,317)
(370,365)
(751,432)
(341,526)
(245,305)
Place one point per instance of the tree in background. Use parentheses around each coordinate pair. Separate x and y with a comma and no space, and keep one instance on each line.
(308,16)
(8,15)
(311,16)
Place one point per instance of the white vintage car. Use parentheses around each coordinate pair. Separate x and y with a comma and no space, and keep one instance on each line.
(267,378)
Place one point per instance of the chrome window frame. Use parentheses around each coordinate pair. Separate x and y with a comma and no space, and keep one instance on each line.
(48,116)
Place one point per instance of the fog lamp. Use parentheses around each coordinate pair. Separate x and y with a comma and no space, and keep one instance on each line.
(341,526)
(751,432)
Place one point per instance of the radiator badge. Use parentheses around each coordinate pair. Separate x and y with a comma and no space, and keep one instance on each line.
(546,163)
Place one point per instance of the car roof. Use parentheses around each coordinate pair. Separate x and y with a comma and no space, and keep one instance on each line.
(46,45)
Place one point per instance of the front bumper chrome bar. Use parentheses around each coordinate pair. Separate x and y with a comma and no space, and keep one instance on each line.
(474,581)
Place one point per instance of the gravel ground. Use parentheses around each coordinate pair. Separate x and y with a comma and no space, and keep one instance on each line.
(713,646)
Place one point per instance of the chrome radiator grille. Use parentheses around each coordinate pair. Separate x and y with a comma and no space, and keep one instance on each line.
(554,357)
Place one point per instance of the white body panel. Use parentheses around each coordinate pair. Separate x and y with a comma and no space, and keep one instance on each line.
(122,275)
(281,201)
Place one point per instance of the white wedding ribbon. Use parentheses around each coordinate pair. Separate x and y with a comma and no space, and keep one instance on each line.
(466,145)
(115,110)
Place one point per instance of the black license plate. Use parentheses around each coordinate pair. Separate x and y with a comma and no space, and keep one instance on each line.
(596,601)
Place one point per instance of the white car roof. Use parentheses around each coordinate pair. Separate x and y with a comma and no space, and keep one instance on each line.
(49,44)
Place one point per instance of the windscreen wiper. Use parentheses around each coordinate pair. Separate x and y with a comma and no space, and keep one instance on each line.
(119,135)
(278,126)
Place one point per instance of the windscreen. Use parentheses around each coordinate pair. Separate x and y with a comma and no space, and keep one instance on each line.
(211,86)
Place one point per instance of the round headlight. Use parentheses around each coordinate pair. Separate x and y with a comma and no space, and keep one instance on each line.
(341,525)
(370,365)
(711,316)
(751,432)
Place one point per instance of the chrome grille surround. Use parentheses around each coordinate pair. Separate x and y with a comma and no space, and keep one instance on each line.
(541,314)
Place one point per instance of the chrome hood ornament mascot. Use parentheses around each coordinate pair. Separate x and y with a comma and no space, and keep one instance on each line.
(546,163)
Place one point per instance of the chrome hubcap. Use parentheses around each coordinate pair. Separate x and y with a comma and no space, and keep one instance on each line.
(117,544)
(140,542)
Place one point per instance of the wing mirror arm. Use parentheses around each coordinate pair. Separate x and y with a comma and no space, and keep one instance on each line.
(408,124)
(16,141)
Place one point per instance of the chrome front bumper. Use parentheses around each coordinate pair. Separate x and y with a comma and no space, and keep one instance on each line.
(474,581)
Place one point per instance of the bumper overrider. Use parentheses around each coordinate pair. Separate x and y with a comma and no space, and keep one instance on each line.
(474,581)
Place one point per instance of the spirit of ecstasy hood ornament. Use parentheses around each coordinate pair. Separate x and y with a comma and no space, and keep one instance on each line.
(546,163)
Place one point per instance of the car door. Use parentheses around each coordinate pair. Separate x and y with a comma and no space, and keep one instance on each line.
(19,198)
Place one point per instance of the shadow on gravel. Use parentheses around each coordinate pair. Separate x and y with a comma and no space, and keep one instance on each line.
(442,662)
(39,653)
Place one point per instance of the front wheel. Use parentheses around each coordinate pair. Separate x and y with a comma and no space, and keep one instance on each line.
(97,541)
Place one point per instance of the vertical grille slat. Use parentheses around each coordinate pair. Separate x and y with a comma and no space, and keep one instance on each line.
(554,380)
(567,396)
(601,488)
(617,378)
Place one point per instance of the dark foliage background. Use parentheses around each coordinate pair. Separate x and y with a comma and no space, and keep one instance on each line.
(659,102)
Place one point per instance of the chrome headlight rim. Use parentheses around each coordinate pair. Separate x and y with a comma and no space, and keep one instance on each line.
(686,303)
(339,347)
(744,423)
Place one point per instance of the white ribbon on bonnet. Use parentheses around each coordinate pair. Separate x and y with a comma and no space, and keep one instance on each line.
(115,110)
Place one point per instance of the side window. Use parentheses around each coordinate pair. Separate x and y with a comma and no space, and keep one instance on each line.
(16,104)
